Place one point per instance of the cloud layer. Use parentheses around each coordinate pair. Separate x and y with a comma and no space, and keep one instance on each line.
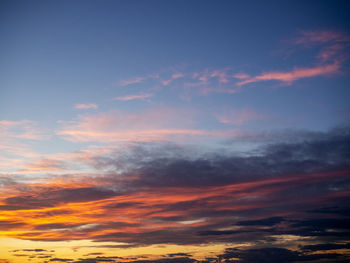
(160,194)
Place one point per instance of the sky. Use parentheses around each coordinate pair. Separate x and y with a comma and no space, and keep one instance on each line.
(174,131)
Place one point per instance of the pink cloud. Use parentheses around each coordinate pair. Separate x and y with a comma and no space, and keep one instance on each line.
(241,76)
(321,36)
(44,166)
(134,97)
(116,126)
(295,74)
(131,81)
(166,82)
(86,106)
(221,75)
(17,138)
(148,125)
(238,117)
(23,129)
(173,76)
(330,52)
(177,75)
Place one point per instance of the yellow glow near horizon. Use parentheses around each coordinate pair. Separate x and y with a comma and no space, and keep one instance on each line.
(80,248)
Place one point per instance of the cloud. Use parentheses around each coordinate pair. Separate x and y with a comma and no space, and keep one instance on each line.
(8,224)
(131,81)
(44,166)
(177,75)
(60,260)
(86,106)
(239,117)
(17,141)
(296,74)
(142,195)
(274,254)
(134,97)
(321,37)
(149,125)
(24,129)
(241,76)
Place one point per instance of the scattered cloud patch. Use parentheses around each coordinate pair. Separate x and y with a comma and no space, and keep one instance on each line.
(86,106)
(134,97)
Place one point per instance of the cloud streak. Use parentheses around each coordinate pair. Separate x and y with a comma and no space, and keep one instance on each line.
(86,106)
(134,97)
(290,76)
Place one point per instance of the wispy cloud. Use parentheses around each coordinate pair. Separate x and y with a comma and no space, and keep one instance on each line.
(86,106)
(293,75)
(320,37)
(17,140)
(131,81)
(23,129)
(241,76)
(177,75)
(134,97)
(239,117)
(149,125)
(156,124)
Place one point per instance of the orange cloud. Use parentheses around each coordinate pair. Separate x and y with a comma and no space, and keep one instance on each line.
(89,210)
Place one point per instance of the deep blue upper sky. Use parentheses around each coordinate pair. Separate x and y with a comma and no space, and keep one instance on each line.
(57,54)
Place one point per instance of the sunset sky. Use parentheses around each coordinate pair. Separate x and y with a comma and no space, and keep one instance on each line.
(174,131)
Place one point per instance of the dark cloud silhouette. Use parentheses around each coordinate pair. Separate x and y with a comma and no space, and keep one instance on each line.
(178,255)
(268,255)
(262,222)
(321,247)
(53,197)
(60,260)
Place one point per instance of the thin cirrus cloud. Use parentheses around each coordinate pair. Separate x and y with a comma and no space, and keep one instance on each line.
(296,74)
(331,55)
(131,81)
(134,97)
(86,106)
(239,117)
(320,36)
(17,141)
(23,129)
(149,125)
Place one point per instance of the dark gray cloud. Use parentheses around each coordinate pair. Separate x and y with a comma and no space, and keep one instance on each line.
(274,254)
(10,224)
(60,260)
(298,187)
(262,222)
(51,197)
(168,166)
